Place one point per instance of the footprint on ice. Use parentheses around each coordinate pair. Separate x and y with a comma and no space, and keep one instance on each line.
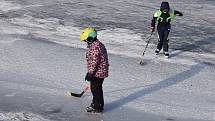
(50,108)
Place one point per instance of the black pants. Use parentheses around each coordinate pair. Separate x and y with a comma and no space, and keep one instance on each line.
(97,91)
(163,33)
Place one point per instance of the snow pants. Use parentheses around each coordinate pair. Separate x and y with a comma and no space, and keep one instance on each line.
(163,33)
(97,92)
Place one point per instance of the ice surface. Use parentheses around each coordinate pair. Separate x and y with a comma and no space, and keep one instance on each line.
(37,68)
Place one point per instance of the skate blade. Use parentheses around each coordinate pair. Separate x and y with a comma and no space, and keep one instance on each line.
(166,57)
(141,63)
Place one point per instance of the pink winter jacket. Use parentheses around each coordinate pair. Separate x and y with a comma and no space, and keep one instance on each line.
(97,60)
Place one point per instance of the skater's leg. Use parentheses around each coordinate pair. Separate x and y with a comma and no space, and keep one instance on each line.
(160,40)
(97,92)
(166,40)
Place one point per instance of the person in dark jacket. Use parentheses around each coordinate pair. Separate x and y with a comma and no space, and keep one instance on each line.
(97,68)
(163,16)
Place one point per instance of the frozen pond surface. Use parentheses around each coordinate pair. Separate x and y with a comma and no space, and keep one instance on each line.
(35,71)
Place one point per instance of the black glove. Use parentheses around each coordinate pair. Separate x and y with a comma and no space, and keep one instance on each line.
(180,14)
(89,77)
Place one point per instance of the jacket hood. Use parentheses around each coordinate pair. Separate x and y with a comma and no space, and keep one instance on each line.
(164,5)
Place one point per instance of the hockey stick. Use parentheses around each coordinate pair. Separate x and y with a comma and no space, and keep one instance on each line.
(141,62)
(69,93)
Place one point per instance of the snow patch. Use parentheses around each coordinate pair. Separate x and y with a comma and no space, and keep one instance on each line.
(118,41)
(7,6)
(10,95)
(68,31)
(8,41)
(120,35)
(21,116)
(50,108)
(31,22)
(7,28)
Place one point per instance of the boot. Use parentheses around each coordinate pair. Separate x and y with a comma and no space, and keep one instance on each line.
(166,54)
(157,51)
(90,109)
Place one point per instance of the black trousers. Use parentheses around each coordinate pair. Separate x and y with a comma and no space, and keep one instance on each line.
(163,33)
(97,92)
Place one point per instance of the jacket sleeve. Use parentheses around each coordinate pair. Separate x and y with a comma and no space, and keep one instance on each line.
(94,60)
(178,13)
(154,19)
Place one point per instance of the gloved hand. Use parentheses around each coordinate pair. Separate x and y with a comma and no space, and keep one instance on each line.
(180,14)
(88,77)
(152,29)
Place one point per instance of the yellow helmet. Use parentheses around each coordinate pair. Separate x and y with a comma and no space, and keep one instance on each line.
(88,32)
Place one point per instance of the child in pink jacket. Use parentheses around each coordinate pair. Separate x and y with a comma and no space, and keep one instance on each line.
(97,68)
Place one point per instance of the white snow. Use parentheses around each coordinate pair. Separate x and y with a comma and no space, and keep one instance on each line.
(6,6)
(20,116)
(182,86)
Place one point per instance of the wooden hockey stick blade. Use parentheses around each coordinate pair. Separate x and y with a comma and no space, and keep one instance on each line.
(77,95)
(68,93)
